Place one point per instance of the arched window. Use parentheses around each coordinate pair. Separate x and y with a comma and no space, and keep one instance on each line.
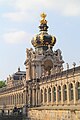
(45,95)
(78,90)
(71,91)
(22,98)
(31,97)
(54,94)
(41,96)
(49,94)
(17,98)
(64,92)
(59,93)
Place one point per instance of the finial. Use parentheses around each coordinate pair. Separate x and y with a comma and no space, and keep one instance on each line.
(43,16)
(18,69)
(67,66)
(62,68)
(74,64)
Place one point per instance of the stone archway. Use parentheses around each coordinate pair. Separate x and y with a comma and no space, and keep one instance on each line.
(48,65)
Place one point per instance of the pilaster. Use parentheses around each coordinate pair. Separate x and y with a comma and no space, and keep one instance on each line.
(74,93)
(68,95)
(56,95)
(62,94)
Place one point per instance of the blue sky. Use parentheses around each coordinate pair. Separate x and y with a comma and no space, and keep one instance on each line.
(19,21)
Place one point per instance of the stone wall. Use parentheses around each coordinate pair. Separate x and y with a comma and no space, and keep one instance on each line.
(49,114)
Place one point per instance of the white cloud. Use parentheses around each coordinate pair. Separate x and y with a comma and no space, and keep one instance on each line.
(1,2)
(25,9)
(17,16)
(16,37)
(69,7)
(72,9)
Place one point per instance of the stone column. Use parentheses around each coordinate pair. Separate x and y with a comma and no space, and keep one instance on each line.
(27,72)
(18,99)
(12,99)
(42,70)
(56,95)
(74,92)
(29,97)
(51,95)
(21,98)
(36,97)
(61,94)
(68,95)
(37,70)
(47,96)
(24,96)
(33,96)
(43,96)
(39,96)
(33,71)
(8,99)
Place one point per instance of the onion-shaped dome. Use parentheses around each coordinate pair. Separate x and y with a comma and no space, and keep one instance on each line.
(43,39)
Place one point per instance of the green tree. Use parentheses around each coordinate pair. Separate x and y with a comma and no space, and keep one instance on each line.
(2,84)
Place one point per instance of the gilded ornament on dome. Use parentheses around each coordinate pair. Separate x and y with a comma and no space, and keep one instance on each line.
(41,38)
(53,40)
(35,44)
(43,21)
(35,38)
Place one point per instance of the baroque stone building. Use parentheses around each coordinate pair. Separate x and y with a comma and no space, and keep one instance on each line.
(45,89)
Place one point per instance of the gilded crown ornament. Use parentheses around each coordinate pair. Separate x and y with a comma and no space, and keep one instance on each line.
(43,39)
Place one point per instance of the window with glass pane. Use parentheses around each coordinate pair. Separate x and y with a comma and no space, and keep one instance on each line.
(78,90)
(65,92)
(54,94)
(71,91)
(41,96)
(45,95)
(59,93)
(49,94)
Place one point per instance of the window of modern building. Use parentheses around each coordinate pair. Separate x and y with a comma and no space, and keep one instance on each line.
(65,92)
(54,94)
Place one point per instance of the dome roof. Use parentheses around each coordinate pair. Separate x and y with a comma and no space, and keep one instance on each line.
(43,38)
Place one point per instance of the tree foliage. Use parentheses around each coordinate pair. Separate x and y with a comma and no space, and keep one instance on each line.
(2,84)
